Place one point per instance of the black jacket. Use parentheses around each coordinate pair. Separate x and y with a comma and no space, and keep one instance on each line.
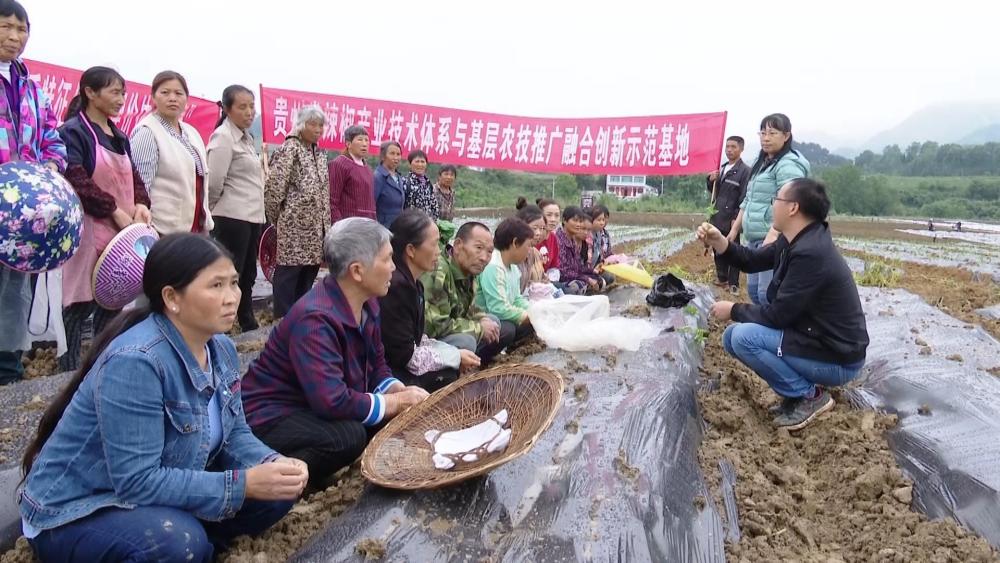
(402,311)
(729,193)
(813,298)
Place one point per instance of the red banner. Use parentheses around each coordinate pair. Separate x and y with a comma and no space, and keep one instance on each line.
(657,145)
(61,84)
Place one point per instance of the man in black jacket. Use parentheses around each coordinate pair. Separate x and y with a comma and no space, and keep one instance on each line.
(812,334)
(728,187)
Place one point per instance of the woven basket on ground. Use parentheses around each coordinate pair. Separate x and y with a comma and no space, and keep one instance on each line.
(399,456)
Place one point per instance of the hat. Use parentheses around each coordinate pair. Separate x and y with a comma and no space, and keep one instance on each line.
(117,279)
(40,216)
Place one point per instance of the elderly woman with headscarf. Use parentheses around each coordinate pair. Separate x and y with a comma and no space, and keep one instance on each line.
(296,202)
(352,184)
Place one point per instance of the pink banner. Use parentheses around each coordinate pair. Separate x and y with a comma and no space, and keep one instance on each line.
(656,145)
(61,84)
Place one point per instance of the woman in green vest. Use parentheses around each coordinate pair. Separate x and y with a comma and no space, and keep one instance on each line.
(776,165)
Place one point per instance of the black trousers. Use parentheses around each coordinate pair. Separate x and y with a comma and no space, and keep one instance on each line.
(74,317)
(327,446)
(242,239)
(291,283)
(724,271)
(431,381)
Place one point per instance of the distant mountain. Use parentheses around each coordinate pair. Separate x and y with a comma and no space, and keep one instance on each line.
(942,123)
(988,134)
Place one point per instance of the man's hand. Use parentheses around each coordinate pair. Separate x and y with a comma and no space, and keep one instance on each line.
(491,330)
(713,176)
(470,361)
(722,310)
(142,215)
(712,236)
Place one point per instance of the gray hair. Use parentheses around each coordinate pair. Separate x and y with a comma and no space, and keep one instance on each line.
(305,115)
(355,239)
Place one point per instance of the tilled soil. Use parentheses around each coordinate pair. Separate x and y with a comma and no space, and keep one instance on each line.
(830,492)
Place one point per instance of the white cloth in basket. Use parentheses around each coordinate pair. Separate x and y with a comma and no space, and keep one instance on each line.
(463,445)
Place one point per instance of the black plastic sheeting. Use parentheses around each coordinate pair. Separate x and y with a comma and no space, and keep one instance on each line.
(948,438)
(620,488)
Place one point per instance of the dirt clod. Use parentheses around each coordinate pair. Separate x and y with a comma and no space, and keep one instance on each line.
(623,468)
(955,358)
(924,410)
(581,392)
(371,549)
(638,310)
(574,366)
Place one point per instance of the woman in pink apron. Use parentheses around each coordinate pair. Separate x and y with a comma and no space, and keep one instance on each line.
(99,166)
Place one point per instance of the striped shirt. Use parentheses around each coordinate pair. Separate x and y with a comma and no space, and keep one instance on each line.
(145,154)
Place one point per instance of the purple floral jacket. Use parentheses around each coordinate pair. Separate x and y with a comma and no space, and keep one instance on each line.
(36,138)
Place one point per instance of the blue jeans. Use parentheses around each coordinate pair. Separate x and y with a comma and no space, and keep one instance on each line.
(152,533)
(758,283)
(757,347)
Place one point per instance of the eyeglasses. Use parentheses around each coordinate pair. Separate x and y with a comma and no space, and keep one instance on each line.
(770,133)
(774,199)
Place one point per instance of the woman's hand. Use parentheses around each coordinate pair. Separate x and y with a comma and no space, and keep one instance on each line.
(278,480)
(121,219)
(142,214)
(470,361)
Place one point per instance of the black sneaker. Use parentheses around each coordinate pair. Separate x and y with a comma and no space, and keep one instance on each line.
(805,411)
(784,406)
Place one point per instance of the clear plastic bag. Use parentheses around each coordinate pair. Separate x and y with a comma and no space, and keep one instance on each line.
(576,323)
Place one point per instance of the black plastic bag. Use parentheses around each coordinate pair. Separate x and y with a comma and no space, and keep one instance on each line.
(669,291)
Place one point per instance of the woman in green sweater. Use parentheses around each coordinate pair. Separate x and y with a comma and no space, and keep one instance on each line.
(498,288)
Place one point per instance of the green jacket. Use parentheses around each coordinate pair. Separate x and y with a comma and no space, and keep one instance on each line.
(448,298)
(763,186)
(498,291)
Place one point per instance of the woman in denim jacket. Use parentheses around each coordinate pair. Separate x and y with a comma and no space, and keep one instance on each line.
(146,455)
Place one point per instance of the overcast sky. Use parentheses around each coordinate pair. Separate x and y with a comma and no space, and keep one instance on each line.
(845,69)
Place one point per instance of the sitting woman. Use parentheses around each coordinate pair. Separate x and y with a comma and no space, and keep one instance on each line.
(575,276)
(498,288)
(533,267)
(414,358)
(148,443)
(599,241)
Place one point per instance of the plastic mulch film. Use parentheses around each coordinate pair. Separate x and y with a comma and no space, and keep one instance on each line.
(613,479)
(931,370)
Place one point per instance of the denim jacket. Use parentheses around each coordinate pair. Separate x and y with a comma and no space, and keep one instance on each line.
(136,433)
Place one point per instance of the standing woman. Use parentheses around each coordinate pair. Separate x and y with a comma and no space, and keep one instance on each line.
(776,165)
(419,190)
(352,185)
(390,195)
(170,157)
(236,191)
(99,166)
(297,203)
(148,443)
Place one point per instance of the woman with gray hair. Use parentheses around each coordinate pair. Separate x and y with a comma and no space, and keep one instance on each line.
(322,382)
(352,185)
(296,202)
